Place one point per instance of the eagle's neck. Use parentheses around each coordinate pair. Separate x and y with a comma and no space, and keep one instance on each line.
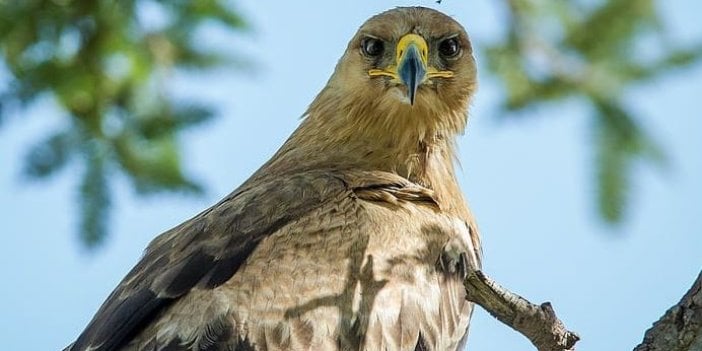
(414,143)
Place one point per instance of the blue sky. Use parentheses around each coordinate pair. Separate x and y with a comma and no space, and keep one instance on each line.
(528,180)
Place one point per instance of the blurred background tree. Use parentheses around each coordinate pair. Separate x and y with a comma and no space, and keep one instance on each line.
(594,51)
(108,69)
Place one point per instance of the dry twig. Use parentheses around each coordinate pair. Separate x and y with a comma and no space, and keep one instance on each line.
(538,323)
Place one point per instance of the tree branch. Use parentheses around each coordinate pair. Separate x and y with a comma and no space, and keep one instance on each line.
(680,328)
(538,323)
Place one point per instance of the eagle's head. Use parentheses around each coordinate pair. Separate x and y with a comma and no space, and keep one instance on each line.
(398,97)
(409,69)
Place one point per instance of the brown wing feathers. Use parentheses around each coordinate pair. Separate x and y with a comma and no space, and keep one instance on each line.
(205,251)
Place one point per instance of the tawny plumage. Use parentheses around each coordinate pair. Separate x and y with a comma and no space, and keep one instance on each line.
(354,236)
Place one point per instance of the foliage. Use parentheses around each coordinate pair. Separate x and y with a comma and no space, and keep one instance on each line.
(590,50)
(107,67)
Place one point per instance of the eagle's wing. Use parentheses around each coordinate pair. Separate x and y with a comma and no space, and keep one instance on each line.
(207,250)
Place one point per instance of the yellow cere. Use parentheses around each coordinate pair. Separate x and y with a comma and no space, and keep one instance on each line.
(408,40)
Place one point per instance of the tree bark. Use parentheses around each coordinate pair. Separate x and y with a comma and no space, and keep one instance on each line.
(680,328)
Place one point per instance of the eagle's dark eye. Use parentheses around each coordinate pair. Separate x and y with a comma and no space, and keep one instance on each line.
(449,48)
(372,47)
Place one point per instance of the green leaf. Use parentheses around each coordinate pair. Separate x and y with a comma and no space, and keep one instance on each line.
(619,143)
(157,125)
(49,155)
(94,197)
(153,164)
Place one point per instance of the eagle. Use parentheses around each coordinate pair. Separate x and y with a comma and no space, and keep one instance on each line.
(353,236)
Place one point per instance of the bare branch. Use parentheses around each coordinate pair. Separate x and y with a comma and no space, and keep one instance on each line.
(538,323)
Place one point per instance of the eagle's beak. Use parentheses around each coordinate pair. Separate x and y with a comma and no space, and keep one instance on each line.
(412,63)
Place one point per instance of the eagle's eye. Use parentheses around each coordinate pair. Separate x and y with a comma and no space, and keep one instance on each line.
(449,48)
(372,47)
